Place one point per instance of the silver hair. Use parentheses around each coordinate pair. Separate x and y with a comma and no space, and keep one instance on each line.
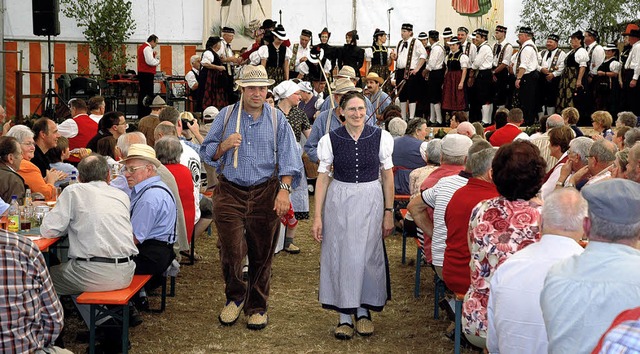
(601,152)
(126,140)
(480,162)
(631,137)
(453,160)
(613,231)
(397,127)
(554,122)
(93,168)
(433,151)
(564,209)
(581,146)
(168,150)
(193,59)
(628,119)
(20,132)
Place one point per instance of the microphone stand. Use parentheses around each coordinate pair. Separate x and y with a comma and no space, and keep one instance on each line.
(389,24)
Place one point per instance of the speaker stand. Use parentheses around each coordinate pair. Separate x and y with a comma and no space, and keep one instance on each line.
(50,94)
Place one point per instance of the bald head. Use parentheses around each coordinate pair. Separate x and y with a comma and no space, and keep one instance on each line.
(466,128)
(165,128)
(126,140)
(554,121)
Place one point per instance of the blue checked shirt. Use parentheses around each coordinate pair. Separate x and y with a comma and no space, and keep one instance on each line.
(318,130)
(256,154)
(623,338)
(153,212)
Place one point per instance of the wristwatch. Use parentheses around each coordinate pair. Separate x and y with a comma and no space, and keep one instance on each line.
(389,209)
(285,187)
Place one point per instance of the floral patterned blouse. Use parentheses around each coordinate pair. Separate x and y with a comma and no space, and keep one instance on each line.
(498,228)
(298,121)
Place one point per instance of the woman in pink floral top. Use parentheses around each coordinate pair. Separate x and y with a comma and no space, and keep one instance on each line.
(501,226)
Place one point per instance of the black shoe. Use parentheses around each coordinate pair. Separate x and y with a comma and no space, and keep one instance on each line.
(134,317)
(142,303)
(444,305)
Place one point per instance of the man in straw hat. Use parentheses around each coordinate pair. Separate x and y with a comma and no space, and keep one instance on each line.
(148,124)
(583,294)
(254,150)
(329,119)
(630,74)
(378,98)
(410,56)
(153,213)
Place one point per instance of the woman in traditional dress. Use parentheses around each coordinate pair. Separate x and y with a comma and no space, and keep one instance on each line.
(573,79)
(275,56)
(352,216)
(377,57)
(287,95)
(350,54)
(453,87)
(213,77)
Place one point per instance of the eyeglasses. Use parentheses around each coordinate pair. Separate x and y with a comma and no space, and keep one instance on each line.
(30,143)
(356,109)
(132,169)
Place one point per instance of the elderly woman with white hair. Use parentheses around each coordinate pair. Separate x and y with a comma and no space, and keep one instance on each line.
(30,172)
(287,96)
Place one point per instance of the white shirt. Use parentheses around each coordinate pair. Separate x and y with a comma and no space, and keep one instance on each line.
(633,61)
(263,51)
(96,218)
(596,54)
(148,56)
(484,58)
(304,67)
(436,57)
(207,57)
(472,52)
(547,60)
(550,185)
(302,53)
(528,56)
(325,152)
(615,65)
(418,53)
(507,49)
(438,198)
(515,323)
(191,78)
(69,128)
(368,54)
(225,51)
(191,160)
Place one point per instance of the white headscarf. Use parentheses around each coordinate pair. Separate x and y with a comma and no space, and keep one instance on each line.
(285,89)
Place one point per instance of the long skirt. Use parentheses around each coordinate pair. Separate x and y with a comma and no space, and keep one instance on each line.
(567,88)
(300,195)
(276,73)
(354,270)
(383,72)
(216,89)
(452,98)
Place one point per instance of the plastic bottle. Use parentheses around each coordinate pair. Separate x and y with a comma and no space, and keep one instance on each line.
(74,178)
(13,218)
(431,134)
(27,198)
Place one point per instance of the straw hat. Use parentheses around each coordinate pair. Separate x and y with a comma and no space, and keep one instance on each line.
(347,72)
(158,102)
(254,76)
(142,152)
(344,85)
(373,76)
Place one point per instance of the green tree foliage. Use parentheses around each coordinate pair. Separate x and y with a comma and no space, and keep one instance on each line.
(106,25)
(565,17)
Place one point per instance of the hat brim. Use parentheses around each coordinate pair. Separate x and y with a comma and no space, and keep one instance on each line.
(255,82)
(279,36)
(344,90)
(158,105)
(153,161)
(451,43)
(377,79)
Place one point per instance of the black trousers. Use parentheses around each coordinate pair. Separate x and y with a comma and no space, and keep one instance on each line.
(527,95)
(145,80)
(154,259)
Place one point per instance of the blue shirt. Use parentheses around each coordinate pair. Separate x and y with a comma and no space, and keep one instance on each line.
(318,130)
(194,146)
(380,101)
(256,154)
(153,211)
(583,294)
(66,168)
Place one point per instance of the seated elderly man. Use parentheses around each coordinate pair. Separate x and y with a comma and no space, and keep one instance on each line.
(578,158)
(542,141)
(511,131)
(101,249)
(32,315)
(584,293)
(515,323)
(11,183)
(601,158)
(153,213)
(633,164)
(407,153)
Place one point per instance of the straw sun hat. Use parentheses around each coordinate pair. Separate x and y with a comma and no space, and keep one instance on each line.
(254,76)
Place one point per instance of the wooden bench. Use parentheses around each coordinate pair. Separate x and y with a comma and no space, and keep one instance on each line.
(458,330)
(99,302)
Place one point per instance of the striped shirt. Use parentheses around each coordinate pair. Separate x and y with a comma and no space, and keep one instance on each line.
(438,198)
(30,314)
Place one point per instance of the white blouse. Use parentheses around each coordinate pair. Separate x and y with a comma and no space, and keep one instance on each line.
(264,52)
(325,152)
(582,57)
(207,57)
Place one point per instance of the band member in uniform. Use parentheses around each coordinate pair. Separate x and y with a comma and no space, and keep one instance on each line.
(447,34)
(630,87)
(606,84)
(410,55)
(571,91)
(502,51)
(453,98)
(377,56)
(553,60)
(596,57)
(300,52)
(526,69)
(470,50)
(434,73)
(482,78)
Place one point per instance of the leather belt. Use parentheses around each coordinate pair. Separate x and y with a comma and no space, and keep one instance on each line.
(106,260)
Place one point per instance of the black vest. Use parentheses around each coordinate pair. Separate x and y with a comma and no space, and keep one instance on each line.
(379,55)
(453,61)
(276,56)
